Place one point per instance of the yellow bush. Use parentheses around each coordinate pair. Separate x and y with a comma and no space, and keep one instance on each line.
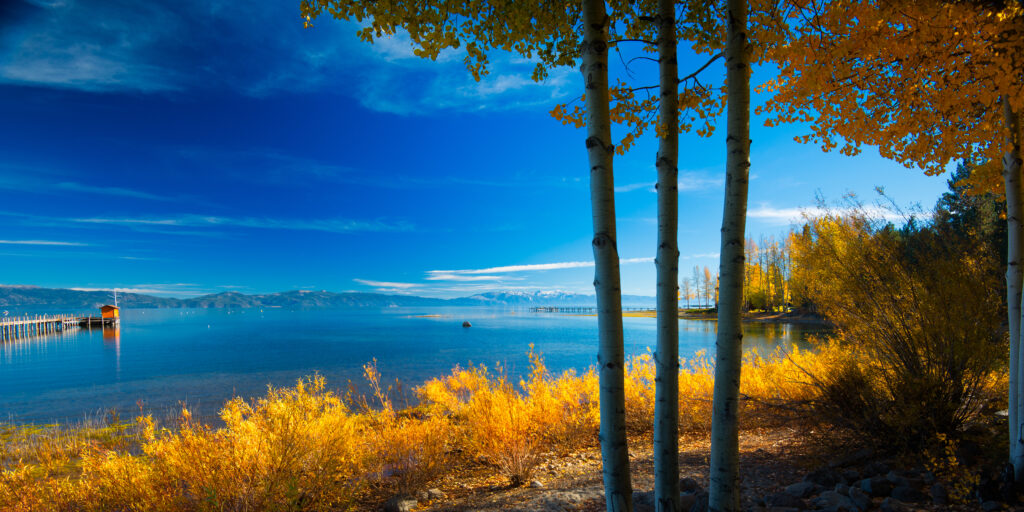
(303,448)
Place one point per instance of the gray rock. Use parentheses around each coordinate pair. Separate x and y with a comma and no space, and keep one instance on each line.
(842,489)
(860,499)
(422,495)
(802,489)
(877,487)
(908,495)
(990,506)
(891,505)
(400,504)
(896,479)
(701,503)
(436,494)
(783,499)
(536,484)
(824,477)
(687,500)
(874,469)
(850,475)
(939,495)
(689,485)
(643,498)
(831,500)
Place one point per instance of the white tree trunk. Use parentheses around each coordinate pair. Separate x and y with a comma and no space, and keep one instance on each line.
(725,491)
(666,357)
(1014,238)
(618,489)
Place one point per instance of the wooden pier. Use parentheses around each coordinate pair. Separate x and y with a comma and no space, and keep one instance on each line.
(18,328)
(575,309)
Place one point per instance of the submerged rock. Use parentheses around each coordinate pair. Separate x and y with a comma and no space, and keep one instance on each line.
(467,324)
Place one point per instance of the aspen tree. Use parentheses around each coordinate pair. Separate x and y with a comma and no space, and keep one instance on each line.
(724,492)
(666,356)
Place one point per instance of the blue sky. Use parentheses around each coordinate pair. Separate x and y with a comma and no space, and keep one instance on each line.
(181,148)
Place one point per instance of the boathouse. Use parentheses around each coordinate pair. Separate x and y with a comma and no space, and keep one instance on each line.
(109,311)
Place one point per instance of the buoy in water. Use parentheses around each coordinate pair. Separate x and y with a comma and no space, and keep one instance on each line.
(467,324)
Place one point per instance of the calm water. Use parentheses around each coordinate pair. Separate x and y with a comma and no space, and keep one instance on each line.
(204,357)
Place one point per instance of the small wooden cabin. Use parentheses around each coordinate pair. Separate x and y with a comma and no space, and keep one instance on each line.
(109,311)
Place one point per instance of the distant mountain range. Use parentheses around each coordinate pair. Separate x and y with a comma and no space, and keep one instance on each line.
(38,298)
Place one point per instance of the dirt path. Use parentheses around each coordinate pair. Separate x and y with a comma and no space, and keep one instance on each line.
(770,460)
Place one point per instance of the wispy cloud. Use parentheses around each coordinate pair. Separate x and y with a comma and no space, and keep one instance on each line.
(42,242)
(686,181)
(648,185)
(110,191)
(140,47)
(530,267)
(387,284)
(159,289)
(441,276)
(201,221)
(796,215)
(40,185)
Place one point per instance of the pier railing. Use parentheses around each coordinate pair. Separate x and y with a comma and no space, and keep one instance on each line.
(22,327)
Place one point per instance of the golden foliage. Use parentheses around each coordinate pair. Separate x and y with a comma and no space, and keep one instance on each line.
(920,315)
(305,448)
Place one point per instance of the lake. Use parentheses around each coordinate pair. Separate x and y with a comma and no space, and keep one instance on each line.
(161,358)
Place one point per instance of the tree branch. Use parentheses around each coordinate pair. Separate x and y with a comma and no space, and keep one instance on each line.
(702,68)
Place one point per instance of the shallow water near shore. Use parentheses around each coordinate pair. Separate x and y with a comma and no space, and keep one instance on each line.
(161,358)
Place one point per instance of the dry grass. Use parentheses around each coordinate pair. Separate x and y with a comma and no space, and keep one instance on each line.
(306,448)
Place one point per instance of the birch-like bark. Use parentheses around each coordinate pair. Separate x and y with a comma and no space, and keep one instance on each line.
(724,494)
(666,356)
(1014,274)
(618,489)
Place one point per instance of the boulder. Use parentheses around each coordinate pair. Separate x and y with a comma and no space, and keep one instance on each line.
(536,484)
(875,468)
(842,489)
(689,485)
(860,499)
(643,498)
(400,504)
(701,503)
(831,500)
(891,505)
(802,489)
(783,499)
(467,324)
(908,494)
(876,487)
(687,500)
(436,494)
(896,479)
(824,477)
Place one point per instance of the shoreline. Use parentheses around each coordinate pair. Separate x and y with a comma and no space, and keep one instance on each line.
(755,317)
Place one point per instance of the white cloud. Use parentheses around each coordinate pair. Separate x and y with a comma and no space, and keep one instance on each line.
(327,225)
(110,191)
(796,215)
(42,242)
(169,289)
(532,267)
(636,186)
(387,284)
(440,276)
